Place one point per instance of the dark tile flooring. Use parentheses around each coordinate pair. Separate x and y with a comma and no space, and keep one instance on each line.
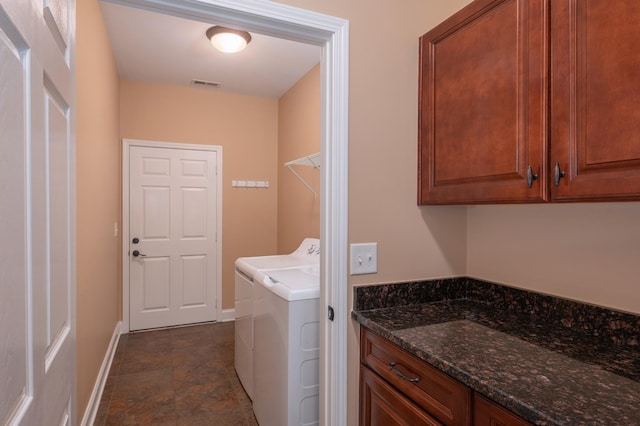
(177,376)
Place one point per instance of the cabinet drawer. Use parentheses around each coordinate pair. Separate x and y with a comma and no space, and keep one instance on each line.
(441,396)
(486,413)
(382,405)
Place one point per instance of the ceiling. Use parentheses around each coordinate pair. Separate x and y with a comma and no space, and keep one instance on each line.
(158,48)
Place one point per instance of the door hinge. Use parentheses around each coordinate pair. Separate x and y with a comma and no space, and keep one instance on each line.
(330,313)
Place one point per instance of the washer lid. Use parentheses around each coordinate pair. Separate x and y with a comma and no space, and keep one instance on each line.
(291,284)
(307,254)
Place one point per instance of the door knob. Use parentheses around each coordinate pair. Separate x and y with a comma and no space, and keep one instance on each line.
(136,253)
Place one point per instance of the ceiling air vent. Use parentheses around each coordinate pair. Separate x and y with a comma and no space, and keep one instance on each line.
(203,83)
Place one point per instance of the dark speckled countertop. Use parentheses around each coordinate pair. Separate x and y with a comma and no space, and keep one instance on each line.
(551,361)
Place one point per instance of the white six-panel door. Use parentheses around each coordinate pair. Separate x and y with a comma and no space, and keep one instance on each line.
(172,236)
(37,223)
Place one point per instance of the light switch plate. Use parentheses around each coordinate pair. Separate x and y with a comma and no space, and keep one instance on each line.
(364,258)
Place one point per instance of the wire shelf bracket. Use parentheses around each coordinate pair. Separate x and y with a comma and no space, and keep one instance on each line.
(309,161)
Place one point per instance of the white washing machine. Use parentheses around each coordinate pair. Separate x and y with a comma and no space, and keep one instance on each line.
(307,254)
(287,347)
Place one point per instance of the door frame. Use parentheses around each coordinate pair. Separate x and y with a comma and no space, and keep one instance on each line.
(126,145)
(332,34)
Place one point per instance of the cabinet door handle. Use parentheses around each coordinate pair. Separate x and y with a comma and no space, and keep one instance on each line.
(400,374)
(557,174)
(531,176)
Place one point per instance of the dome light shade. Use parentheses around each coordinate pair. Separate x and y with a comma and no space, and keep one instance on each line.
(228,40)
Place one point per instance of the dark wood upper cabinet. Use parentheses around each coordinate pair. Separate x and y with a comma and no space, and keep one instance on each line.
(510,88)
(483,104)
(595,100)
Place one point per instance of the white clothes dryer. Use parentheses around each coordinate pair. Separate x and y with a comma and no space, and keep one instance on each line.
(307,254)
(287,347)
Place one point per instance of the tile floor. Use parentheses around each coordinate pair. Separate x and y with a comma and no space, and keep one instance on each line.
(178,376)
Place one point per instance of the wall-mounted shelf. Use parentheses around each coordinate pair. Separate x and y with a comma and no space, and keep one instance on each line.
(310,161)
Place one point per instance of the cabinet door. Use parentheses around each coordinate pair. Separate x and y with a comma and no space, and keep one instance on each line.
(486,413)
(382,405)
(482,107)
(595,98)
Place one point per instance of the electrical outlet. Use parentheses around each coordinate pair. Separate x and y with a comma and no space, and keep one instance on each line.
(364,258)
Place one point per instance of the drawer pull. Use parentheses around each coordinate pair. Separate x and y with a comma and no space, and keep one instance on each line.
(400,374)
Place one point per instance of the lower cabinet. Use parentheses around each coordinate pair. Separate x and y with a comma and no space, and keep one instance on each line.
(397,388)
(486,413)
(383,405)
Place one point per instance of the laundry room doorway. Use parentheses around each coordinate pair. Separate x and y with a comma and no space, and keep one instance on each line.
(332,34)
(171,233)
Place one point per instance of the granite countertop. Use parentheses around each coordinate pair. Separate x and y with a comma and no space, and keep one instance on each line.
(545,371)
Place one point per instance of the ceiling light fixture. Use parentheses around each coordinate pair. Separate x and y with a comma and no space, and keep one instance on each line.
(228,40)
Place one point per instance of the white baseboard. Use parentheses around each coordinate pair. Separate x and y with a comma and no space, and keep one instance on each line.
(96,395)
(227,315)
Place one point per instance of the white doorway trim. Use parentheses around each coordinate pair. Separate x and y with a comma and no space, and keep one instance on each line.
(279,20)
(128,143)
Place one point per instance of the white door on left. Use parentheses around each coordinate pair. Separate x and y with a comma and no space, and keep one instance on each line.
(37,223)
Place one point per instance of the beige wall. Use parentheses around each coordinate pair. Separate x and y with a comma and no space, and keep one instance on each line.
(98,197)
(298,135)
(412,242)
(247,129)
(587,252)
